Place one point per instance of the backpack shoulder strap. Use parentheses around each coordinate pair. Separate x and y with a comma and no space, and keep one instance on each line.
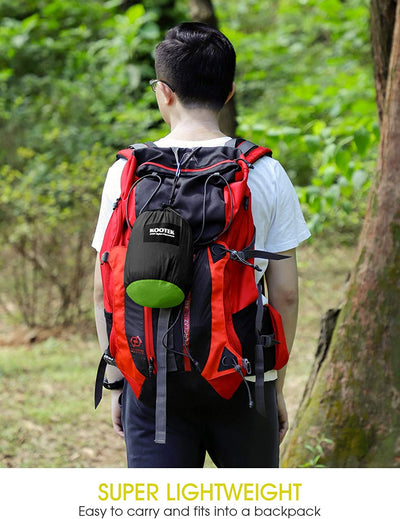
(124,154)
(128,152)
(130,167)
(251,151)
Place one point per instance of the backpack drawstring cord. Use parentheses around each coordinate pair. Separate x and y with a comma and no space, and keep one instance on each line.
(183,354)
(238,369)
(152,175)
(203,223)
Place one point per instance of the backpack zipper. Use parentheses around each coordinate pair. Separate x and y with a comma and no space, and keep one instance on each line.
(186,333)
(184,170)
(149,340)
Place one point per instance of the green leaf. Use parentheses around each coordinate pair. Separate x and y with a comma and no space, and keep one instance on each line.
(313,142)
(342,159)
(362,139)
(135,12)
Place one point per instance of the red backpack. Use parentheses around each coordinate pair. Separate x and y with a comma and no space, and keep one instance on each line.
(177,265)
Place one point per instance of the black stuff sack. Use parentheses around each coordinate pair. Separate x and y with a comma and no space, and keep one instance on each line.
(159,259)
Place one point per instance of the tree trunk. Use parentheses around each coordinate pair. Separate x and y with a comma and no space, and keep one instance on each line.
(354,400)
(203,11)
(382,15)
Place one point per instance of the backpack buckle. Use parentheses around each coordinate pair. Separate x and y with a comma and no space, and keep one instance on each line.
(109,358)
(241,256)
(238,255)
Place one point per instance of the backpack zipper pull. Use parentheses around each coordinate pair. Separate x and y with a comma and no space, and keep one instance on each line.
(151,366)
(104,258)
(247,366)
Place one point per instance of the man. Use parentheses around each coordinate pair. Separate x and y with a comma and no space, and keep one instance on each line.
(195,66)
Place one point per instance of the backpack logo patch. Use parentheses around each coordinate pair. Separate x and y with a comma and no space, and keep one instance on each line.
(162,233)
(136,345)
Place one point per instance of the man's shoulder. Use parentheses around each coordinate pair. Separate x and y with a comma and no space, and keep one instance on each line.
(117,166)
(267,163)
(269,180)
(267,169)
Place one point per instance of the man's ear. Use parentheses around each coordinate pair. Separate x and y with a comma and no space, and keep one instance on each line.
(166,93)
(231,93)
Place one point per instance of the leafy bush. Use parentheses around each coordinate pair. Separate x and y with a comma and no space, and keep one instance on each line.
(74,88)
(48,220)
(305,88)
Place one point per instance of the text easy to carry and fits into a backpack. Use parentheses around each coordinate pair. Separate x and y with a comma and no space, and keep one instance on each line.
(177,265)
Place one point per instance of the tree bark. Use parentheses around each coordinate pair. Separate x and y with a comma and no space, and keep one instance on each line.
(382,13)
(355,397)
(203,11)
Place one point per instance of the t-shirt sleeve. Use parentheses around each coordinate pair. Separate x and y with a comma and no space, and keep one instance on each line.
(287,227)
(111,193)
(277,214)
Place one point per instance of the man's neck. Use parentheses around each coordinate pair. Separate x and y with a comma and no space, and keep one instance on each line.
(195,125)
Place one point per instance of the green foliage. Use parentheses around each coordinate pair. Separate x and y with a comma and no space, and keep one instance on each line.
(336,194)
(305,88)
(74,88)
(50,216)
(72,71)
(317,452)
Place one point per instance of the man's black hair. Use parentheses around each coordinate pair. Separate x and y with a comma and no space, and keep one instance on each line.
(198,61)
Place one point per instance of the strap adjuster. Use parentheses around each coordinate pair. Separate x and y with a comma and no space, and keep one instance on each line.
(118,384)
(267,341)
(104,258)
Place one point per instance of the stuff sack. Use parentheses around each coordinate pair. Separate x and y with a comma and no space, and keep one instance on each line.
(159,259)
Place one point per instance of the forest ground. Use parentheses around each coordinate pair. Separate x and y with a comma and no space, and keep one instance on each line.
(46,381)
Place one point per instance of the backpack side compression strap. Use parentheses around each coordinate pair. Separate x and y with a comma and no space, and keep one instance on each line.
(161,381)
(98,389)
(101,371)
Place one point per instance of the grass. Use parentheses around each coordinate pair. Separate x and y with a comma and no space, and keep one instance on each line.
(46,387)
(46,397)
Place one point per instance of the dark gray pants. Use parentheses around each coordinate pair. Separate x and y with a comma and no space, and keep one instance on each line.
(233,434)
